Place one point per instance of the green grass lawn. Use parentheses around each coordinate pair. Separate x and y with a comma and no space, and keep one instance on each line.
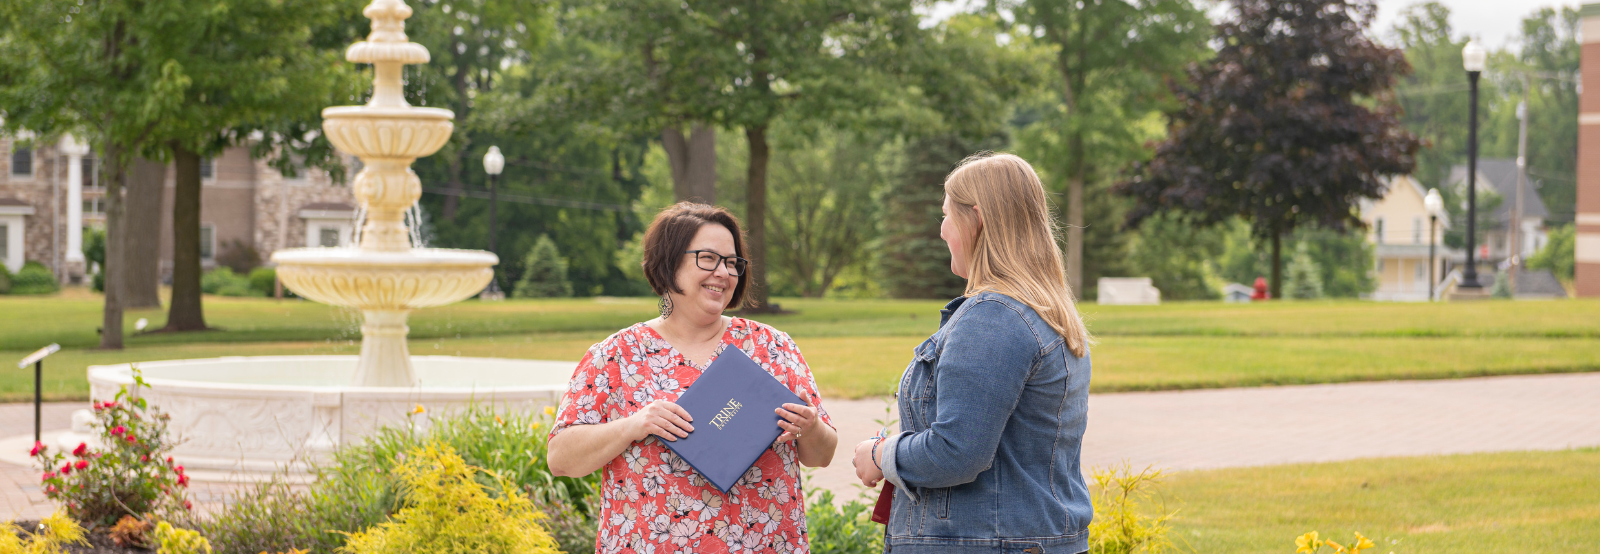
(1525,502)
(859,348)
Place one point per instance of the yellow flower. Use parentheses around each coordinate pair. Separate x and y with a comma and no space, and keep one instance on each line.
(498,421)
(418,409)
(1361,543)
(1307,543)
(549,410)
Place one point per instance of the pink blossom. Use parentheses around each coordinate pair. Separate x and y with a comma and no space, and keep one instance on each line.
(50,489)
(37,448)
(66,469)
(131,438)
(82,449)
(81,464)
(118,430)
(48,475)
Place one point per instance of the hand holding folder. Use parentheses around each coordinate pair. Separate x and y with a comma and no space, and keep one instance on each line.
(733,406)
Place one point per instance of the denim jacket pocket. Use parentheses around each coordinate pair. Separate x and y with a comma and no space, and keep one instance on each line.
(919,376)
(939,501)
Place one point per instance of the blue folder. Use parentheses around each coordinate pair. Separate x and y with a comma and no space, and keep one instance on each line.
(732,405)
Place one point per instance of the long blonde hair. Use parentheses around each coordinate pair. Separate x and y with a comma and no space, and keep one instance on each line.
(1013,249)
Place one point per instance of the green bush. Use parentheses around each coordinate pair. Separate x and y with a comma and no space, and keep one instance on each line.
(449,511)
(34,278)
(846,529)
(224,282)
(94,254)
(357,488)
(544,272)
(5,280)
(1560,254)
(263,281)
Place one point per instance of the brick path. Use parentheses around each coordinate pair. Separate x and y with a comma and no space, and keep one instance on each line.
(1186,430)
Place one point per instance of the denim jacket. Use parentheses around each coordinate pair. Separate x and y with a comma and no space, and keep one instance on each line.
(992,414)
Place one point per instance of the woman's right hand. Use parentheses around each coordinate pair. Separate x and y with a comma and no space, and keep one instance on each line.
(660,418)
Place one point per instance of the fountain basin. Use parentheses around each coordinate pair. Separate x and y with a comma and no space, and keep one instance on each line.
(264,413)
(399,280)
(395,132)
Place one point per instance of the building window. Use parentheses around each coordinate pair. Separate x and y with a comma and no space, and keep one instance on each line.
(22,162)
(1416,230)
(1422,272)
(208,246)
(207,168)
(91,171)
(1380,267)
(328,236)
(1377,229)
(5,242)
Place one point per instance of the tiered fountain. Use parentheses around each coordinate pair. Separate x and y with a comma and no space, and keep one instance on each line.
(261,413)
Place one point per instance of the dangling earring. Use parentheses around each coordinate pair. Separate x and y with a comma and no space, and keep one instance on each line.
(665,306)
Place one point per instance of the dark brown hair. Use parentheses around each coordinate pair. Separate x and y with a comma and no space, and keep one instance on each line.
(669,236)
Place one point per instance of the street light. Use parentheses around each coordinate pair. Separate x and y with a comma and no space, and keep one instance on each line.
(493,163)
(1473,59)
(1434,204)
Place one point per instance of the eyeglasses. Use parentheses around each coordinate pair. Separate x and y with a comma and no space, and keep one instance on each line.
(708,260)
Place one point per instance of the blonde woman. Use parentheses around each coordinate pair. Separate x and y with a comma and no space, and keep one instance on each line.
(994,405)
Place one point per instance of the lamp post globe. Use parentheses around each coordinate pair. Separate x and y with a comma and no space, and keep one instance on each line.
(1434,204)
(493,163)
(1473,59)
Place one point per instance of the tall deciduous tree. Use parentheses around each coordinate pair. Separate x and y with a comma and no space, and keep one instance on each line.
(471,42)
(1111,58)
(86,67)
(1292,122)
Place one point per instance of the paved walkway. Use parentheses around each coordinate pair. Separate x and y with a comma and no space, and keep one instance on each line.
(1183,430)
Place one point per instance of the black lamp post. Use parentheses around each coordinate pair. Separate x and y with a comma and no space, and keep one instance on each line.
(1434,204)
(493,163)
(1473,58)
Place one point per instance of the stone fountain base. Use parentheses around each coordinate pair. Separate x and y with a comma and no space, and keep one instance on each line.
(265,413)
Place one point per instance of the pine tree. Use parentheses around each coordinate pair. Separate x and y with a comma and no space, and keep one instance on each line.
(1305,278)
(544,272)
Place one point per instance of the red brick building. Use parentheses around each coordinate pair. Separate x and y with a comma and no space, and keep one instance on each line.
(1587,278)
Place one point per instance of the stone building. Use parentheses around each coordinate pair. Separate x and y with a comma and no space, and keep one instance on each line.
(51,189)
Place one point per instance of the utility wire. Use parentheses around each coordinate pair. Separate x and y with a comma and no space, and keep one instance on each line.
(525,199)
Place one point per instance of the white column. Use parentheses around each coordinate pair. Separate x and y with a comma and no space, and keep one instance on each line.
(75,152)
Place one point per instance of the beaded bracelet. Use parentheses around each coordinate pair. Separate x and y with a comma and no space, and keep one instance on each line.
(874,455)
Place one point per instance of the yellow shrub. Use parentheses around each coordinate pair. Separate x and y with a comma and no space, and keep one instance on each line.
(448,512)
(172,540)
(55,532)
(1123,522)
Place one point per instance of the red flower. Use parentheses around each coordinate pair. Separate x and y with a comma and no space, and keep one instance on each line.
(169,460)
(131,438)
(66,469)
(179,469)
(183,480)
(109,405)
(144,457)
(83,448)
(118,430)
(37,448)
(50,489)
(98,405)
(187,505)
(81,464)
(48,475)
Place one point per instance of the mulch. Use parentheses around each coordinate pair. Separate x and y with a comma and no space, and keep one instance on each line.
(99,542)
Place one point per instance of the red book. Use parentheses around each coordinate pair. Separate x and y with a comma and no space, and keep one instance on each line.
(880,511)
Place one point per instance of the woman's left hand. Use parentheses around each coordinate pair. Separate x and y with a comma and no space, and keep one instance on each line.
(866,469)
(797,421)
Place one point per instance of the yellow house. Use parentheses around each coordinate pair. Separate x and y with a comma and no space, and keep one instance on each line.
(1399,229)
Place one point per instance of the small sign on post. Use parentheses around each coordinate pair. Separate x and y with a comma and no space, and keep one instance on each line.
(37,359)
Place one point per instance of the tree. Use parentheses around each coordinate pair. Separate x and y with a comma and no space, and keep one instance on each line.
(470,41)
(1305,277)
(1292,122)
(544,273)
(142,233)
(283,65)
(1560,254)
(1111,57)
(823,188)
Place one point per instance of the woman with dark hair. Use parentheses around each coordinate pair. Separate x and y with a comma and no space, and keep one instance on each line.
(619,406)
(994,405)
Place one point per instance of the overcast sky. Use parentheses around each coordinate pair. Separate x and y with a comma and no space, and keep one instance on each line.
(1495,22)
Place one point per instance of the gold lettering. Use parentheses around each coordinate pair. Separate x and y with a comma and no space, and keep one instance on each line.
(723,417)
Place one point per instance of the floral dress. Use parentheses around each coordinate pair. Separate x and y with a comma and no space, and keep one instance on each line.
(652,501)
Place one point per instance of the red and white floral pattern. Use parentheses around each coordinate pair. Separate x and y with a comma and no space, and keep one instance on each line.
(652,501)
